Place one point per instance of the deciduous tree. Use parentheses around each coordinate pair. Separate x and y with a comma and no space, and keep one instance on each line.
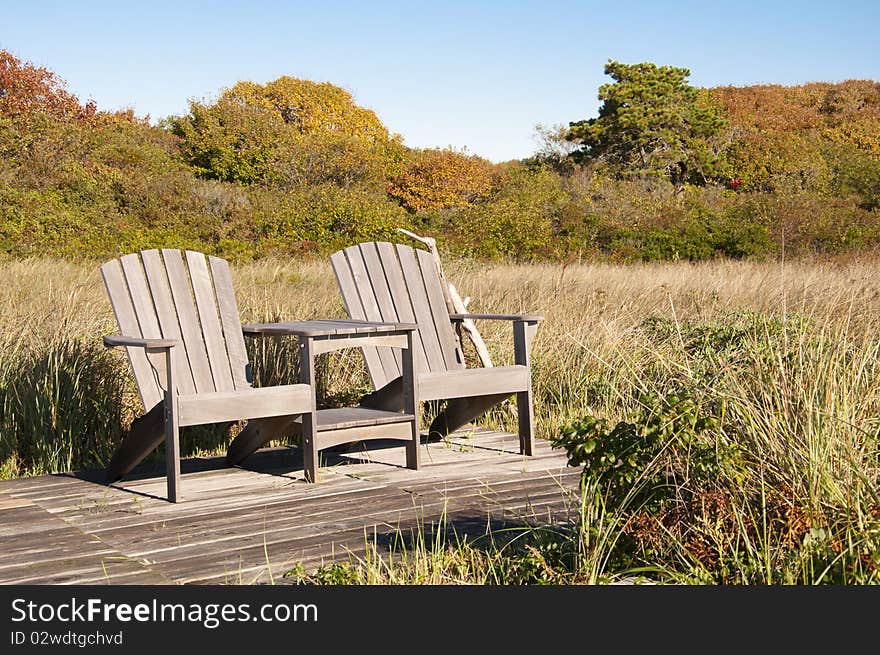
(288,131)
(27,90)
(436,179)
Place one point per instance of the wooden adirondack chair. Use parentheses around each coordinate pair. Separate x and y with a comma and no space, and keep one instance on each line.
(179,322)
(387,282)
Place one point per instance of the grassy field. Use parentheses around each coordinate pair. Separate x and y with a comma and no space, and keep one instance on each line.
(742,400)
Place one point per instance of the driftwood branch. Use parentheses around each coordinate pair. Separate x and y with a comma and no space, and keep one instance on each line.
(454,302)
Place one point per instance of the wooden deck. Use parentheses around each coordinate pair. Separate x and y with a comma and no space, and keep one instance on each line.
(252,523)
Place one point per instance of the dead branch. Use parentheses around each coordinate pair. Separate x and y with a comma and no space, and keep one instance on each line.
(454,302)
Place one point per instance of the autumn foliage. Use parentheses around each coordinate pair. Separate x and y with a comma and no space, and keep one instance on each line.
(292,166)
(818,137)
(438,179)
(311,107)
(289,132)
(27,90)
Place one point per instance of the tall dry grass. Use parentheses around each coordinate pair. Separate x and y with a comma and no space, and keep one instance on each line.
(588,357)
(788,351)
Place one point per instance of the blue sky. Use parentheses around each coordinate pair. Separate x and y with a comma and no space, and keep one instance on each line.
(478,75)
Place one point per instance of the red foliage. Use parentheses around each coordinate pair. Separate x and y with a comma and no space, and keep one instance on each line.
(27,90)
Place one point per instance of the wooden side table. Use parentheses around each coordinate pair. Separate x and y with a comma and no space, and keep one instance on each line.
(323,428)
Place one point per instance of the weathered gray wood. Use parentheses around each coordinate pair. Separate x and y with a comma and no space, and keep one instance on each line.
(439,313)
(309,418)
(229,317)
(172,434)
(249,403)
(150,345)
(332,426)
(144,436)
(416,288)
(400,297)
(120,300)
(452,300)
(325,328)
(370,304)
(531,318)
(399,431)
(389,398)
(141,299)
(342,326)
(271,522)
(156,296)
(355,309)
(353,417)
(458,412)
(379,284)
(385,342)
(257,433)
(411,404)
(191,332)
(249,497)
(157,279)
(325,428)
(260,402)
(144,309)
(46,549)
(523,333)
(473,382)
(212,333)
(7,503)
(412,284)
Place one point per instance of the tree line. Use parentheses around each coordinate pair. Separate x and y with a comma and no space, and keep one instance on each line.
(665,170)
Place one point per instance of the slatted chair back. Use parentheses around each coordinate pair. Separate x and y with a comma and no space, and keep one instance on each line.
(164,294)
(388,282)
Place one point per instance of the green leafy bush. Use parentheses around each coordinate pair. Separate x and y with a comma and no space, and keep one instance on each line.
(669,440)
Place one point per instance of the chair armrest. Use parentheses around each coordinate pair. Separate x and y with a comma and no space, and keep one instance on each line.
(112,340)
(524,328)
(530,318)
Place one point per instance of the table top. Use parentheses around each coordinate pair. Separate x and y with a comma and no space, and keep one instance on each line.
(341,327)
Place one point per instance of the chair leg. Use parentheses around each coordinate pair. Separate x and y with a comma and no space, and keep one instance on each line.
(411,404)
(461,411)
(256,433)
(526,422)
(172,448)
(310,454)
(412,448)
(145,435)
(523,333)
(310,418)
(390,398)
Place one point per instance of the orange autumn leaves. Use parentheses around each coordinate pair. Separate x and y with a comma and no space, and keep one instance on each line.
(27,90)
(784,138)
(438,179)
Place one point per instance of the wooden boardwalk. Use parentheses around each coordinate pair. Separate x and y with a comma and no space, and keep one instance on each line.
(253,523)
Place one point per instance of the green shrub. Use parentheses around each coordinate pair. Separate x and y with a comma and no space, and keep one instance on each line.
(671,440)
(517,221)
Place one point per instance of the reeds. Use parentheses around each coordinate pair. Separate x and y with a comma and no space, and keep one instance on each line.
(789,352)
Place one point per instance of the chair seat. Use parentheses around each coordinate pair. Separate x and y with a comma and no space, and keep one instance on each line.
(473,382)
(258,402)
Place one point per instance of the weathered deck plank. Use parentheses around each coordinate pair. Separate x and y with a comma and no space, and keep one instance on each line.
(244,525)
(39,547)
